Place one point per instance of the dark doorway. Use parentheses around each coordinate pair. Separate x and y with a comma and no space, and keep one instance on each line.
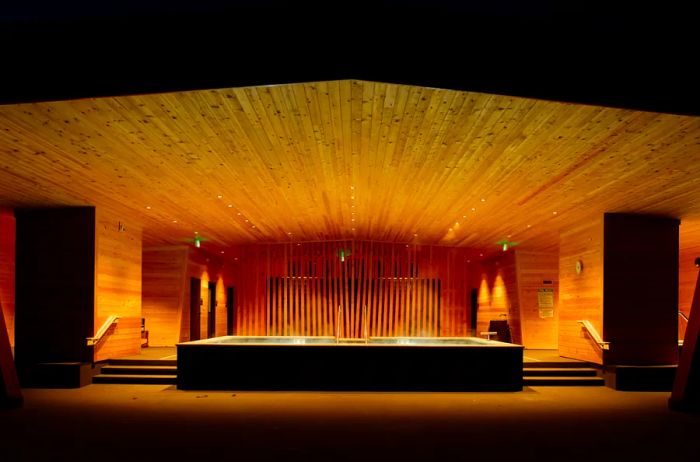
(195,304)
(229,311)
(475,308)
(211,323)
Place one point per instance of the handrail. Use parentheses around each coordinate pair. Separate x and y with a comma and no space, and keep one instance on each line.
(682,315)
(113,319)
(594,334)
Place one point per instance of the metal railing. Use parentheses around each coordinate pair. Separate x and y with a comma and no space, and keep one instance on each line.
(594,334)
(102,330)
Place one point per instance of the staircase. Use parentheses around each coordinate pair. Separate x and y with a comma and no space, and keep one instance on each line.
(138,371)
(560,374)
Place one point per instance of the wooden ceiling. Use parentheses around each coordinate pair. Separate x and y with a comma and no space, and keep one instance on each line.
(344,159)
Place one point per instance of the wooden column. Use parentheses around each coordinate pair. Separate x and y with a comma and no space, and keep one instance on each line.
(640,289)
(55,289)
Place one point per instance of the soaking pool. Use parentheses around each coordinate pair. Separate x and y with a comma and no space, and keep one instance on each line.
(327,363)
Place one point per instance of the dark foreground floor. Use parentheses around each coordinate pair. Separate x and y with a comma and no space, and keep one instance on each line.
(154,423)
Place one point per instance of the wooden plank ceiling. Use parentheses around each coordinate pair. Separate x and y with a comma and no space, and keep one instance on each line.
(343,159)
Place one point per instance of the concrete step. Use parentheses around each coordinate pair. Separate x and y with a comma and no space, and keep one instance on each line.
(560,372)
(139,370)
(135,379)
(142,362)
(555,364)
(563,381)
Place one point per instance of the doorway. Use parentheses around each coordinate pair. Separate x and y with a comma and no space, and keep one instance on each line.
(211,318)
(195,305)
(229,311)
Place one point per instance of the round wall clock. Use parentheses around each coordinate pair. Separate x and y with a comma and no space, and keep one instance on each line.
(579,266)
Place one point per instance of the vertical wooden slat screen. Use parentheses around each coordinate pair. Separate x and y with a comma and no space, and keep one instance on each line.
(339,286)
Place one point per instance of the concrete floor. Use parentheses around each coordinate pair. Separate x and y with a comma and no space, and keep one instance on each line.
(152,422)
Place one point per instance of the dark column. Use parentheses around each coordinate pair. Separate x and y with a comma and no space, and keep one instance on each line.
(640,289)
(55,297)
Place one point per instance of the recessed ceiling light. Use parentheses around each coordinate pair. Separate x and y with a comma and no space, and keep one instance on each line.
(554,213)
(415,235)
(483,200)
(353,219)
(353,229)
(464,216)
(352,197)
(449,229)
(289,234)
(529,226)
(456,223)
(469,261)
(220,196)
(253,226)
(196,232)
(230,206)
(222,251)
(235,258)
(481,254)
(174,221)
(406,245)
(473,209)
(148,207)
(238,213)
(246,220)
(509,236)
(352,187)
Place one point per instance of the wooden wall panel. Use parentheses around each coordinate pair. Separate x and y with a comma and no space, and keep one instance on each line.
(117,284)
(163,293)
(689,233)
(581,295)
(533,269)
(640,289)
(297,289)
(7,271)
(498,295)
(208,269)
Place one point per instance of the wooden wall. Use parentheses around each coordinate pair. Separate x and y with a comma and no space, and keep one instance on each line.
(581,295)
(208,269)
(537,271)
(7,271)
(117,284)
(689,234)
(640,289)
(295,289)
(163,297)
(498,295)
